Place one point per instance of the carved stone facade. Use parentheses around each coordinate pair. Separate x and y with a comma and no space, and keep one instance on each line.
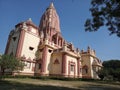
(45,52)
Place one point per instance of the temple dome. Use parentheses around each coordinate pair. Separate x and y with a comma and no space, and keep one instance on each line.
(50,19)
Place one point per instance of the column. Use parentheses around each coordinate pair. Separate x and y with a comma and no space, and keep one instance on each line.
(64,64)
(75,70)
(44,60)
(78,65)
(57,40)
(8,44)
(20,43)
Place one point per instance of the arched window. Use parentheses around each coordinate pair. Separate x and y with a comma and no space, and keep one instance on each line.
(54,40)
(72,68)
(85,69)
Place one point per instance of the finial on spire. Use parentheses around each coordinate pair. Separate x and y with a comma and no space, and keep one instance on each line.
(88,47)
(29,19)
(51,5)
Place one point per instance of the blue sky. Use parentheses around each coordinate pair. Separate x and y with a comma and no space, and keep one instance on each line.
(72,14)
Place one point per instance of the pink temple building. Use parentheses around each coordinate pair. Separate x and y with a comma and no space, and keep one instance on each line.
(46,53)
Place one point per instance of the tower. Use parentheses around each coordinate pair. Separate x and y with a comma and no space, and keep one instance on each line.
(49,25)
(50,39)
(90,63)
(23,42)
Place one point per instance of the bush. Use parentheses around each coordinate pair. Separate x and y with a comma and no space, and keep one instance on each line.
(46,78)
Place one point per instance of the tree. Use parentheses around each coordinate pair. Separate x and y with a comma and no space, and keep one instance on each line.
(110,68)
(8,62)
(104,13)
(102,73)
(114,64)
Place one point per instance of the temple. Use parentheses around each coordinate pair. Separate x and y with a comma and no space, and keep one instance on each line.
(46,53)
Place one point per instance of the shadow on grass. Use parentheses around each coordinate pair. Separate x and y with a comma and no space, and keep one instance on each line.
(9,85)
(98,87)
(109,82)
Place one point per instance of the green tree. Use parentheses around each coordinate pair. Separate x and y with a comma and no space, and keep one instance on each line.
(102,73)
(110,68)
(104,13)
(11,63)
(114,64)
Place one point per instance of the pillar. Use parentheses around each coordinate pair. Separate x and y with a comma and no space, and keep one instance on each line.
(8,44)
(64,57)
(20,43)
(78,67)
(44,60)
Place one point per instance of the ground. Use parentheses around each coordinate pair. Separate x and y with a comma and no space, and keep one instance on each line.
(37,84)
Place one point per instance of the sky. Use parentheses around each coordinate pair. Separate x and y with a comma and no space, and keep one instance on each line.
(72,14)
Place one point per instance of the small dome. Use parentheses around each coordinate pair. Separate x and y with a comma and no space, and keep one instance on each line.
(27,23)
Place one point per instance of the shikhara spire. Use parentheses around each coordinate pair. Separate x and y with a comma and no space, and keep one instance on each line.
(50,19)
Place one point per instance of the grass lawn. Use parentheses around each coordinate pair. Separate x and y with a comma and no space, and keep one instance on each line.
(37,84)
